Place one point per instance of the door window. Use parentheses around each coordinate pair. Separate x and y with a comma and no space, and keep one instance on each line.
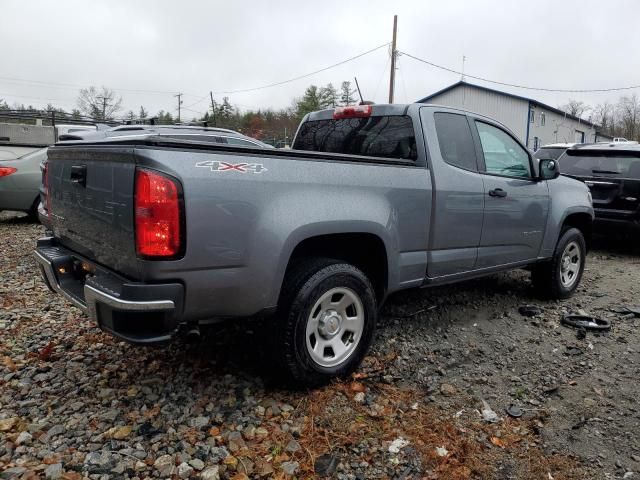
(502,154)
(454,138)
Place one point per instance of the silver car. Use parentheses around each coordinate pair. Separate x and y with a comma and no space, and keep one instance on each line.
(20,182)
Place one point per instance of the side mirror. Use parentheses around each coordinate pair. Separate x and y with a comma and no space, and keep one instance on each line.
(549,169)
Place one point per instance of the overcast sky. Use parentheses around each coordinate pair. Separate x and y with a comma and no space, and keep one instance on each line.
(194,46)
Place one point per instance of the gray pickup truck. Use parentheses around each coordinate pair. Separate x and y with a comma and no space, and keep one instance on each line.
(152,236)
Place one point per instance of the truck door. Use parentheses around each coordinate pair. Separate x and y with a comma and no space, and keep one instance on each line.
(516,205)
(458,194)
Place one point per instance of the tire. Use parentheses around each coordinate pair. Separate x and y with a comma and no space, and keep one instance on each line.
(326,319)
(559,277)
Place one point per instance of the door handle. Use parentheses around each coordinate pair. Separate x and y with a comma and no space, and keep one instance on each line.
(79,174)
(497,192)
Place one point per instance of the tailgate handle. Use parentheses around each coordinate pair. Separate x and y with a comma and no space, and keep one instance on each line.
(79,174)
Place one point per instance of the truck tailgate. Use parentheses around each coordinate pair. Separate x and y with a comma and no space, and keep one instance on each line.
(91,199)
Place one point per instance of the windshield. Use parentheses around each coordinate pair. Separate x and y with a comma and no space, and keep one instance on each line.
(380,136)
(549,153)
(618,166)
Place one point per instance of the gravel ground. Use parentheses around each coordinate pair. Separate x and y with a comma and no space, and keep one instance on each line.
(429,401)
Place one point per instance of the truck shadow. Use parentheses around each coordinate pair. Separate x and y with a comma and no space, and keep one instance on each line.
(616,244)
(242,348)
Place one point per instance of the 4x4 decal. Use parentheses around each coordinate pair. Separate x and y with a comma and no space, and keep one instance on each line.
(216,166)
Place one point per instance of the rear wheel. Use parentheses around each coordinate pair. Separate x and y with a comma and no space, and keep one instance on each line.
(559,277)
(327,317)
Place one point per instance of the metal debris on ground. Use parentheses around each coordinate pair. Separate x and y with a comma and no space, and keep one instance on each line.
(587,322)
(514,411)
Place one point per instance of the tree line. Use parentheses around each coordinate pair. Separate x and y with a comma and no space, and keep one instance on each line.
(277,126)
(619,119)
(272,126)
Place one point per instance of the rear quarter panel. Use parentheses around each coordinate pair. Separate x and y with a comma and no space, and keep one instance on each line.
(241,228)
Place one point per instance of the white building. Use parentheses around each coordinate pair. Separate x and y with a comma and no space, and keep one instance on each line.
(535,123)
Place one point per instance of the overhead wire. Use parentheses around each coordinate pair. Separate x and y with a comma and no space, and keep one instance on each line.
(525,87)
(300,77)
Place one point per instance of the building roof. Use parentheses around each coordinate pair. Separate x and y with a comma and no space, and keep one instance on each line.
(519,97)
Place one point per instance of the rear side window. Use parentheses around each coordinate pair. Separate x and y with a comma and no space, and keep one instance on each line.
(456,143)
(600,165)
(381,136)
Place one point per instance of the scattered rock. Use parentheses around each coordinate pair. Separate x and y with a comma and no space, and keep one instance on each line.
(290,468)
(325,465)
(210,473)
(447,390)
(53,472)
(165,465)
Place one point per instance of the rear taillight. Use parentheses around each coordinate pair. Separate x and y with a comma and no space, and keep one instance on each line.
(157,212)
(6,171)
(356,111)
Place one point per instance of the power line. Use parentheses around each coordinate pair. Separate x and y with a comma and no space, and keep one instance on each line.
(75,85)
(525,87)
(302,76)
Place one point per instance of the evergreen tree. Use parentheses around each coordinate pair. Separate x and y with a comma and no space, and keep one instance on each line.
(329,96)
(347,94)
(310,101)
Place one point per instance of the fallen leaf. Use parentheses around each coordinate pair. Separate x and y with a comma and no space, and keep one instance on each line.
(11,366)
(118,433)
(152,412)
(71,476)
(7,424)
(357,387)
(45,353)
(497,442)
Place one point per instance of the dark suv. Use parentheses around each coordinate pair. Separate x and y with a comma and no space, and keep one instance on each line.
(612,173)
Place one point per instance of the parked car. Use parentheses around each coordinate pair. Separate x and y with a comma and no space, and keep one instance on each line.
(552,151)
(20,181)
(180,132)
(612,173)
(152,234)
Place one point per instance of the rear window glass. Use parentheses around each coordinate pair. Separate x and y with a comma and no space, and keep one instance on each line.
(549,153)
(601,165)
(454,138)
(381,136)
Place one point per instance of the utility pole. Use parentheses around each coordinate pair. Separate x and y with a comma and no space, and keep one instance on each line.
(179,103)
(213,108)
(104,106)
(394,53)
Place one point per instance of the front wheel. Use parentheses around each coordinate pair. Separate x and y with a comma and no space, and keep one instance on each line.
(560,277)
(327,316)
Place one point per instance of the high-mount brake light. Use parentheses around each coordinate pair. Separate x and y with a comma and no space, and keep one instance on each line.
(355,111)
(157,214)
(6,171)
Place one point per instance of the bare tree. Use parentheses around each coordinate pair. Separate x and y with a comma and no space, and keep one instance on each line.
(629,116)
(604,115)
(576,108)
(101,104)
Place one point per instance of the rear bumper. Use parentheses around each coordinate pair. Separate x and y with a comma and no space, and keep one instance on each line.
(136,312)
